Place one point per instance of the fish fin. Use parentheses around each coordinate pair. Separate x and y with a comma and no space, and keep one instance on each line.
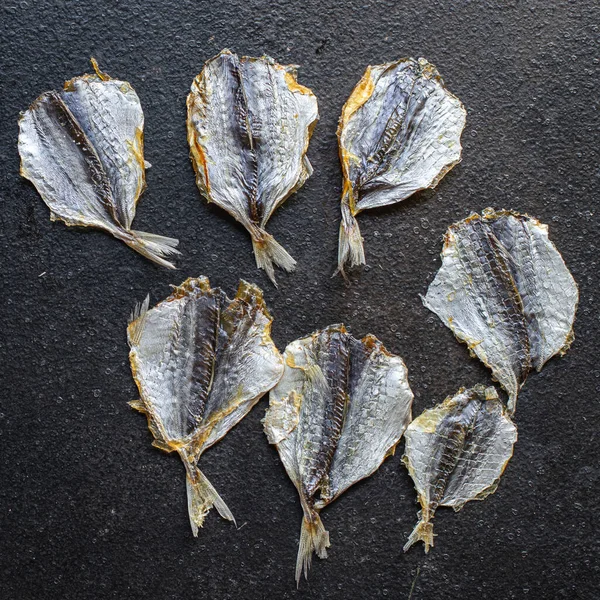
(350,245)
(202,496)
(137,405)
(313,538)
(152,246)
(422,532)
(137,322)
(267,251)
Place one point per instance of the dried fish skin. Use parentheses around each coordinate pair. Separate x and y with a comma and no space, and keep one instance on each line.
(82,148)
(399,133)
(201,362)
(504,289)
(456,452)
(339,410)
(249,124)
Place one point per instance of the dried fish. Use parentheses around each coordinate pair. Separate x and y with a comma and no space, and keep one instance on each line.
(399,133)
(249,124)
(82,148)
(457,452)
(504,290)
(201,362)
(339,410)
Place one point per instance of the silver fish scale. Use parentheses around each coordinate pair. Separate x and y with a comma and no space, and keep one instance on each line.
(111,116)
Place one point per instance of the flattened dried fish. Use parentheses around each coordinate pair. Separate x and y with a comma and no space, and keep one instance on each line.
(201,362)
(504,290)
(82,148)
(399,133)
(340,408)
(457,452)
(249,124)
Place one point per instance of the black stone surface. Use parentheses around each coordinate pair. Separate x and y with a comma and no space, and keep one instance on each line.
(88,509)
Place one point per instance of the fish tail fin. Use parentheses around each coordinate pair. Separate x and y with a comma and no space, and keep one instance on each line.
(423,532)
(152,246)
(350,245)
(202,496)
(313,538)
(268,252)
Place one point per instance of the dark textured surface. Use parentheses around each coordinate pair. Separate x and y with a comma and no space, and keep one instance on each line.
(88,509)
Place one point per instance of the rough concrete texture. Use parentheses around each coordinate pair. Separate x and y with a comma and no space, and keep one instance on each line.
(88,509)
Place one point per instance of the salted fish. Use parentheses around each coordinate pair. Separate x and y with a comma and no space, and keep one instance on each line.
(457,452)
(83,149)
(504,290)
(201,362)
(399,133)
(249,124)
(339,410)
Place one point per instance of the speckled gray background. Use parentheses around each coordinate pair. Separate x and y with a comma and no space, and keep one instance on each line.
(88,509)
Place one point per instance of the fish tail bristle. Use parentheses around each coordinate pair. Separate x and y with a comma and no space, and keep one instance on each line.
(313,538)
(269,252)
(152,246)
(140,309)
(137,320)
(423,532)
(202,496)
(350,247)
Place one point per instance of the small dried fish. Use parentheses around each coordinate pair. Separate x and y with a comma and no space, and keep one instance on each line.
(504,290)
(82,148)
(457,452)
(399,133)
(339,410)
(201,362)
(249,124)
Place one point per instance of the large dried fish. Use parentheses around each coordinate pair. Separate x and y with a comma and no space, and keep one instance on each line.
(201,362)
(457,452)
(504,290)
(340,408)
(399,133)
(249,124)
(82,148)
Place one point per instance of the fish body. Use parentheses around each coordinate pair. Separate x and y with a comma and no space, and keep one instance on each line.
(249,124)
(457,452)
(340,408)
(82,148)
(399,133)
(201,361)
(504,289)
